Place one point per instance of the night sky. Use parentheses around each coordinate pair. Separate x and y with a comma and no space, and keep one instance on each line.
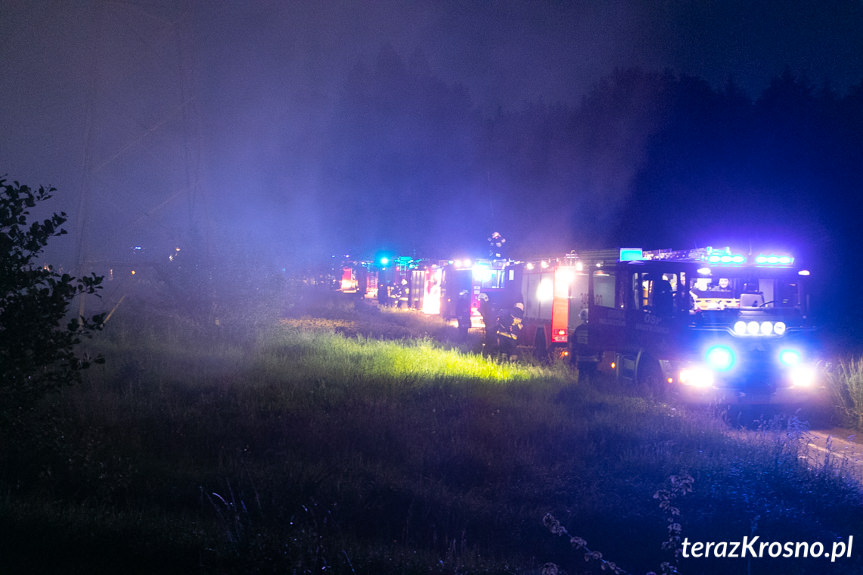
(296,128)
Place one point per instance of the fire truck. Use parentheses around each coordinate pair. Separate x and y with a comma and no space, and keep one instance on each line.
(463,280)
(449,288)
(707,325)
(397,281)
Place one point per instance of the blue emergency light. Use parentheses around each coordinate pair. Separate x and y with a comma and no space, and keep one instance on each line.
(726,259)
(774,260)
(720,358)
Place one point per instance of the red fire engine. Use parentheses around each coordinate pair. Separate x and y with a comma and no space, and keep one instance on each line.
(463,280)
(705,324)
(394,281)
(450,288)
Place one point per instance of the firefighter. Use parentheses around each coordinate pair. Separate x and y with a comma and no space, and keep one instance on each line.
(383,295)
(395,294)
(404,295)
(488,319)
(508,330)
(663,297)
(495,244)
(721,289)
(462,312)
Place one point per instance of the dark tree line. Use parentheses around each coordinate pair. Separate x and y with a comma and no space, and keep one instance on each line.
(646,158)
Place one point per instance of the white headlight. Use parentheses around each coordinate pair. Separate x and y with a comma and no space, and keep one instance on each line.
(696,377)
(752,328)
(803,376)
(740,328)
(766,327)
(779,328)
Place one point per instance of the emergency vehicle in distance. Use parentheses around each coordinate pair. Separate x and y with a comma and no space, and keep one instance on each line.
(703,324)
(449,288)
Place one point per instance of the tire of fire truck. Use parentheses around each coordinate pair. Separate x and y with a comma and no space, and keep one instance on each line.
(649,377)
(587,370)
(540,347)
(584,360)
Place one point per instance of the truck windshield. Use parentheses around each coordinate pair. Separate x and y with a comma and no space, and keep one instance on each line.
(747,291)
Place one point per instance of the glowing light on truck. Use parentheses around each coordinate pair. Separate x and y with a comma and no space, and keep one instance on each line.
(631,254)
(696,377)
(545,290)
(564,277)
(774,260)
(789,357)
(803,376)
(482,273)
(800,374)
(726,259)
(753,328)
(720,358)
(432,295)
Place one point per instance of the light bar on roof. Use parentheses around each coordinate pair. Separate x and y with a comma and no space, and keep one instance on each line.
(726,258)
(774,260)
(631,254)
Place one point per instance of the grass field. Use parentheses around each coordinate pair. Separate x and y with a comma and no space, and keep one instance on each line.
(350,440)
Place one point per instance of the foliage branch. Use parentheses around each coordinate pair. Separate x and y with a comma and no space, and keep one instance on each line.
(37,336)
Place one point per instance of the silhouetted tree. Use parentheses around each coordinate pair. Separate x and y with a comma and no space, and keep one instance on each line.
(38,339)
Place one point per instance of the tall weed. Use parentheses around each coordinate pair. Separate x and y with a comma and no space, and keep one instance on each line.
(846,384)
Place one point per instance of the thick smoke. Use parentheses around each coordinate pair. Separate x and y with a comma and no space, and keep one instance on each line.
(306,129)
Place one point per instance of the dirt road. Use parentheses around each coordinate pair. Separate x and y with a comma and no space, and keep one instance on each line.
(841,449)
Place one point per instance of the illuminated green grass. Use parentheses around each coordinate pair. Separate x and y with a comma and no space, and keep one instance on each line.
(310,355)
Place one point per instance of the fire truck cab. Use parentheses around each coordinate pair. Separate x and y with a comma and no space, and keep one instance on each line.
(703,325)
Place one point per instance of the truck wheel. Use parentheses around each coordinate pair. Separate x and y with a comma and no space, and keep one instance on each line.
(650,378)
(540,348)
(586,371)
